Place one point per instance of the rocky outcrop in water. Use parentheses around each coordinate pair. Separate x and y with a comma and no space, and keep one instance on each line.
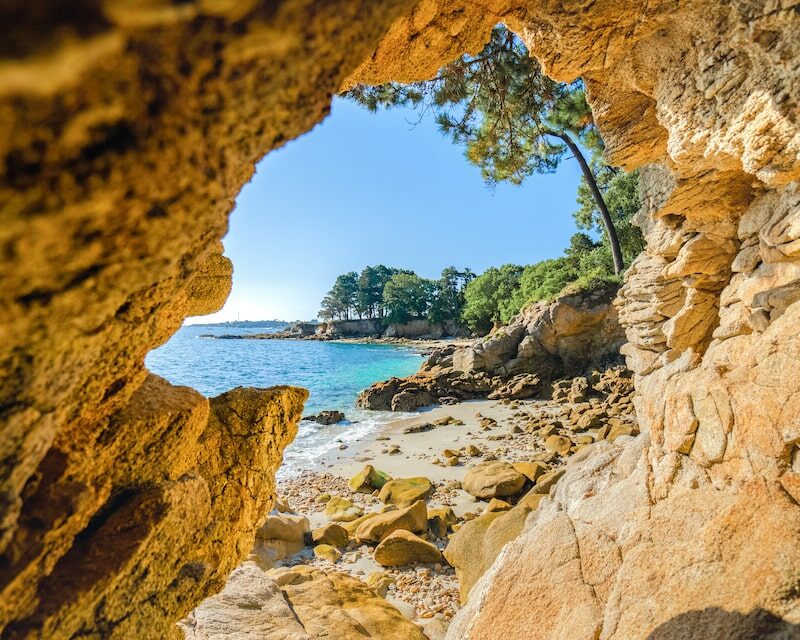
(546,342)
(129,128)
(361,328)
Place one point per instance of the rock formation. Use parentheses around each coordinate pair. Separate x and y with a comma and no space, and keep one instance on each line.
(360,328)
(127,131)
(299,603)
(547,341)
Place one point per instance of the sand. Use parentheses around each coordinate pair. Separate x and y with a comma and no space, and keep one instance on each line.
(421,592)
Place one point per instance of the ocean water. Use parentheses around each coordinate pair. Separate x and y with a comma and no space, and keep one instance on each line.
(333,373)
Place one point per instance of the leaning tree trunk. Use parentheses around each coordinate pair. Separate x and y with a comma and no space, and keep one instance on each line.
(608,224)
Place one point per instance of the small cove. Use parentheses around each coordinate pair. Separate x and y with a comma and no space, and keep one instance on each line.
(333,372)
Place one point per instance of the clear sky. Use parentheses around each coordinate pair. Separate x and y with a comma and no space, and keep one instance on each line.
(376,188)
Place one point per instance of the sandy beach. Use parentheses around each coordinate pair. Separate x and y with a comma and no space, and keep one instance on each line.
(411,447)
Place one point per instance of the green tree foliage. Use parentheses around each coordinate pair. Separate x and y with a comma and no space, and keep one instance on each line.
(485,295)
(448,298)
(512,119)
(540,281)
(371,282)
(397,295)
(621,193)
(342,300)
(407,296)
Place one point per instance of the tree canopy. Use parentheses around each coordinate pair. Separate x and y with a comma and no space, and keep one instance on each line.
(512,120)
(396,295)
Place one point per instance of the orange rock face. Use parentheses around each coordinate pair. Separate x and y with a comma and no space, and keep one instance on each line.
(126,131)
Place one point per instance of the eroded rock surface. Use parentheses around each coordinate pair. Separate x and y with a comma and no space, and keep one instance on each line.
(547,341)
(126,130)
(299,603)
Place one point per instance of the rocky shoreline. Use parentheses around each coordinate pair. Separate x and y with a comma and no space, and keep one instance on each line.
(418,512)
(364,330)
(548,341)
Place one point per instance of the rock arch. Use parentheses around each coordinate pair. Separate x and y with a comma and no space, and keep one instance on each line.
(126,131)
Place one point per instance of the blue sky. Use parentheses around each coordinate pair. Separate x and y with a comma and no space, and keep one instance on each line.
(368,188)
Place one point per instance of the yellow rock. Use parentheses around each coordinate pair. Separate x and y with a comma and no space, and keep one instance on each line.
(496,504)
(547,480)
(557,444)
(338,606)
(353,525)
(493,479)
(403,548)
(472,451)
(531,470)
(332,534)
(368,480)
(342,510)
(622,430)
(327,552)
(413,518)
(404,492)
(473,548)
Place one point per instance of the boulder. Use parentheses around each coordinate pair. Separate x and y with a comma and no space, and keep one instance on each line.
(368,480)
(403,548)
(579,390)
(531,470)
(494,479)
(472,451)
(547,480)
(332,534)
(280,536)
(491,352)
(495,504)
(622,430)
(327,552)
(419,428)
(250,607)
(353,525)
(440,520)
(328,417)
(473,548)
(283,527)
(342,510)
(335,605)
(404,492)
(558,444)
(413,518)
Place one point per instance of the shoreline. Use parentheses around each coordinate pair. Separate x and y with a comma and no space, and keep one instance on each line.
(427,343)
(426,595)
(462,481)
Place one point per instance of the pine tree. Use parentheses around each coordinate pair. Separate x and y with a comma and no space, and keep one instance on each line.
(512,119)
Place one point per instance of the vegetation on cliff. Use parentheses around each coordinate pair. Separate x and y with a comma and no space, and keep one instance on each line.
(396,295)
(494,297)
(512,119)
(497,295)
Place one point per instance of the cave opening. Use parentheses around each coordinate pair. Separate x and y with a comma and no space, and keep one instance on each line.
(110,241)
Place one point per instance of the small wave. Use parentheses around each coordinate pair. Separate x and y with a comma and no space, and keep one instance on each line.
(315,443)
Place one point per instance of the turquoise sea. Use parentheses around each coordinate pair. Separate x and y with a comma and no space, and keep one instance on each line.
(333,372)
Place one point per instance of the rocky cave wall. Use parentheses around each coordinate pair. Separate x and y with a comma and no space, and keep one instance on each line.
(126,131)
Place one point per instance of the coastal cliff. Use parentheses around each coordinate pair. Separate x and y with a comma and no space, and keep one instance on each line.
(547,342)
(129,129)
